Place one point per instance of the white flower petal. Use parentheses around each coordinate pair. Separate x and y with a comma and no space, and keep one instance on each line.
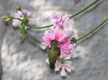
(47,61)
(46,32)
(63,72)
(28,13)
(32,21)
(74,54)
(68,68)
(68,63)
(68,56)
(43,45)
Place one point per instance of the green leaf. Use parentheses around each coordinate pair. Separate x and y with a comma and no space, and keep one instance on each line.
(7,18)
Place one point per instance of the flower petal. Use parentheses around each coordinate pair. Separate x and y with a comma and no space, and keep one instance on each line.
(63,72)
(48,38)
(28,13)
(54,16)
(57,34)
(18,14)
(69,63)
(16,23)
(32,21)
(47,61)
(68,56)
(74,54)
(43,45)
(56,23)
(64,48)
(68,66)
(57,66)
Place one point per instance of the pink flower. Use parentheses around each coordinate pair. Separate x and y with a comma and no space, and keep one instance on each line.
(16,23)
(20,15)
(65,67)
(32,21)
(62,21)
(50,35)
(64,49)
(62,32)
(60,36)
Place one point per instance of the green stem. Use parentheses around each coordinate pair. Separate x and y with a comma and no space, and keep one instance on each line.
(85,35)
(35,27)
(18,19)
(84,9)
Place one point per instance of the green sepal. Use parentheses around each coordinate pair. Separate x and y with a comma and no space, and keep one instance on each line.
(74,40)
(62,61)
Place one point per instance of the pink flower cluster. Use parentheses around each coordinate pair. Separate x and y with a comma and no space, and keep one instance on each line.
(20,15)
(62,32)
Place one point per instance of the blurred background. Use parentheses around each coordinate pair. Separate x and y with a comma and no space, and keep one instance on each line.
(25,60)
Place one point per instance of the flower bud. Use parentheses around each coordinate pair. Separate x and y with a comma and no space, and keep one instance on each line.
(18,8)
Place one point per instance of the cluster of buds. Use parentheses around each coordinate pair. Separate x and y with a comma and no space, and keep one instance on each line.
(22,19)
(59,40)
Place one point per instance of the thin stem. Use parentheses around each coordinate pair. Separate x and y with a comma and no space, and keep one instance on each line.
(22,12)
(25,15)
(85,35)
(36,27)
(18,19)
(70,16)
(84,9)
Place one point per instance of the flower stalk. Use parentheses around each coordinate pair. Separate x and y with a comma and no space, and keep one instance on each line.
(85,35)
(84,9)
(47,26)
(36,27)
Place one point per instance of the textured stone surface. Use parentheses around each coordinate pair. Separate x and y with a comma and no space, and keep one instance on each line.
(26,61)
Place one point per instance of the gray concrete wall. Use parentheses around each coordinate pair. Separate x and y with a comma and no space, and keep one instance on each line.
(3,10)
(26,61)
